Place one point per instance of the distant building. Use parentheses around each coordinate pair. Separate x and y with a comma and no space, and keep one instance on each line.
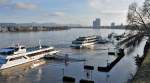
(97,23)
(121,24)
(112,25)
(4,29)
(7,24)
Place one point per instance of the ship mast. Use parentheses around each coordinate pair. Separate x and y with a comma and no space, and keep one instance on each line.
(40,44)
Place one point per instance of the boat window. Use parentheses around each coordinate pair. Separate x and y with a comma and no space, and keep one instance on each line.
(2,61)
(77,42)
(15,58)
(80,39)
(16,49)
(22,47)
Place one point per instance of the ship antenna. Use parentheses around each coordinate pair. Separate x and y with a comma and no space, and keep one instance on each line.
(18,44)
(40,44)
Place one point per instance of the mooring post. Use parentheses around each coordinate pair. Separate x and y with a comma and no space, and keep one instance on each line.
(63,71)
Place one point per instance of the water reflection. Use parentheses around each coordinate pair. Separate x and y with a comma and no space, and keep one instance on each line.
(18,73)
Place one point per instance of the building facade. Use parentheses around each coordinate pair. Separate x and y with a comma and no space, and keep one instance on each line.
(97,23)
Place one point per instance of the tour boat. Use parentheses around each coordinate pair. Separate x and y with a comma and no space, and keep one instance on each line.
(82,42)
(17,55)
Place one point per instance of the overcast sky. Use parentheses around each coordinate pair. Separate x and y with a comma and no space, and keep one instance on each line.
(65,11)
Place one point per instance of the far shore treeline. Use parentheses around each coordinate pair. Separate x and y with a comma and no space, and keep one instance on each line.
(13,27)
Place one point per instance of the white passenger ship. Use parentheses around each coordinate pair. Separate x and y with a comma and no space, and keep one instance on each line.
(82,42)
(18,54)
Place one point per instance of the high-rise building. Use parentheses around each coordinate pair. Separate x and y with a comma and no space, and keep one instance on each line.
(112,24)
(97,23)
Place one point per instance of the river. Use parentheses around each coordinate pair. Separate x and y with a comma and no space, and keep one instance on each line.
(52,71)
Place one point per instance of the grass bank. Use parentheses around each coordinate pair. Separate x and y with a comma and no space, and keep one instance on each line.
(143,73)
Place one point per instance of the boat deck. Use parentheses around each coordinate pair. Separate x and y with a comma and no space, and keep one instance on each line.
(30,49)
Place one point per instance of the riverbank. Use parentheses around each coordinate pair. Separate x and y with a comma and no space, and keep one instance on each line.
(143,73)
(31,28)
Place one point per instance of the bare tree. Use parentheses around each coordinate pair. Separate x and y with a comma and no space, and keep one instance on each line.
(138,19)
